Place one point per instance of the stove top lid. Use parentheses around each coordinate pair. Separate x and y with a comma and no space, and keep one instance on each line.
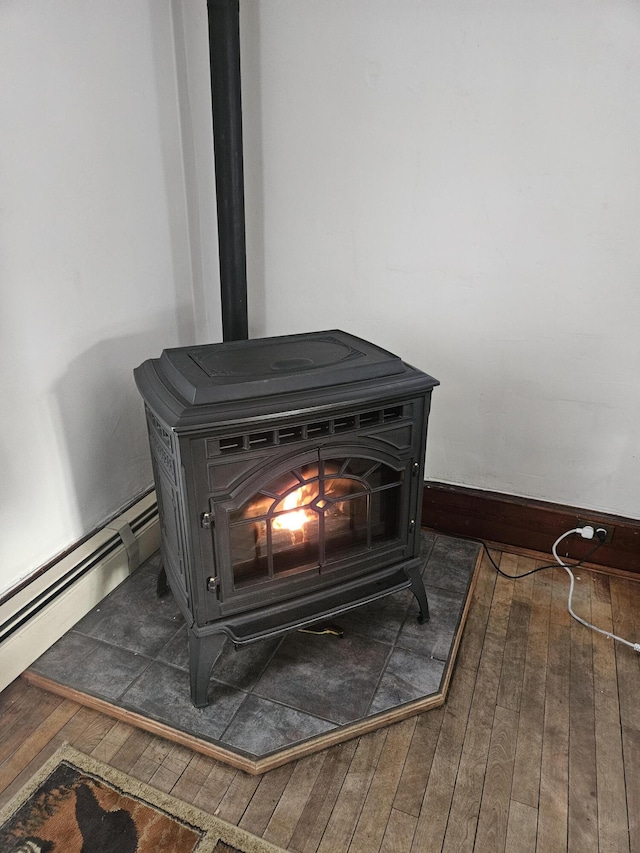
(261,367)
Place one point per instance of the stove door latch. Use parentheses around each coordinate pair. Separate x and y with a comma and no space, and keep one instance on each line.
(212,584)
(206,520)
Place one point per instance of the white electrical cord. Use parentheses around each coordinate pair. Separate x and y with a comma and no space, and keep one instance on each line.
(586,533)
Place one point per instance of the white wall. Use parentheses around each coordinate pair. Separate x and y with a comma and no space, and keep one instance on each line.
(460,182)
(99,269)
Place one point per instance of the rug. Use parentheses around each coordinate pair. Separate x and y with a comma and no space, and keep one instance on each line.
(75,804)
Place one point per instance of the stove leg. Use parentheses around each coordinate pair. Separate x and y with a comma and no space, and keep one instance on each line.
(203,653)
(417,588)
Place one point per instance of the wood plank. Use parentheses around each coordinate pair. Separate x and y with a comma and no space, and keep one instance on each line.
(613,821)
(152,757)
(372,823)
(632,588)
(515,647)
(216,786)
(631,753)
(258,813)
(294,800)
(526,772)
(625,601)
(493,818)
(237,797)
(399,833)
(417,767)
(319,808)
(559,597)
(193,778)
(112,742)
(94,733)
(522,828)
(36,741)
(14,699)
(554,769)
(478,616)
(131,750)
(432,821)
(67,734)
(582,808)
(339,831)
(465,806)
(39,706)
(12,693)
(72,731)
(171,769)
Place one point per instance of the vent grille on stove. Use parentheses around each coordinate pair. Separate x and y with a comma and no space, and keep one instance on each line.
(302,432)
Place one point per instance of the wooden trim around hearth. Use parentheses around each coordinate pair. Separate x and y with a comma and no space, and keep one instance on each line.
(528,524)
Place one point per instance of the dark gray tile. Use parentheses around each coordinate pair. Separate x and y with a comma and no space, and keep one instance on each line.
(451,563)
(407,677)
(62,660)
(427,541)
(91,666)
(380,620)
(261,727)
(176,651)
(162,693)
(433,638)
(133,617)
(324,676)
(241,667)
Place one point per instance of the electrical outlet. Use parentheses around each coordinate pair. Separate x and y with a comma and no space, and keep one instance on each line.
(598,525)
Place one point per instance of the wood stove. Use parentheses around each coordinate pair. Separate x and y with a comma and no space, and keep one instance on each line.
(289,476)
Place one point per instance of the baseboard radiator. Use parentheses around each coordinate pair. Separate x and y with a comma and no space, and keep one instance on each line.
(43,609)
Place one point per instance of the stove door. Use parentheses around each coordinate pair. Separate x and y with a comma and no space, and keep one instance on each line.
(312,521)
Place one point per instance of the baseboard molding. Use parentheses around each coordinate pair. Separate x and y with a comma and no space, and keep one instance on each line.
(528,524)
(41,610)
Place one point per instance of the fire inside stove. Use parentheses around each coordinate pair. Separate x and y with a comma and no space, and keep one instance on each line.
(314,516)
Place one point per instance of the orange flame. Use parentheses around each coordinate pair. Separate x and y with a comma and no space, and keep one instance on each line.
(297,514)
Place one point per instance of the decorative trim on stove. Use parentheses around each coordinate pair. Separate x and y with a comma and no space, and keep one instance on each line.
(336,425)
(528,524)
(40,610)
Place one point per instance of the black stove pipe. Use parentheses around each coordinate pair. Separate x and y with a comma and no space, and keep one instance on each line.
(226,102)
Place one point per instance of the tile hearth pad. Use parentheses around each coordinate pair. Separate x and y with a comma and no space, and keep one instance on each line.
(276,698)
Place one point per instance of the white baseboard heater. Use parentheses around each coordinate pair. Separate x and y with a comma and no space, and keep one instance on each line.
(41,610)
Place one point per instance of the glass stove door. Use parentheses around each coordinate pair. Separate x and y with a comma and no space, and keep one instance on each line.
(314,516)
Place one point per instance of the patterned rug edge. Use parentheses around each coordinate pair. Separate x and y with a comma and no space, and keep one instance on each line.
(215,828)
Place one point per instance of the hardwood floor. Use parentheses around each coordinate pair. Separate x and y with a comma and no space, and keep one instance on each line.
(537,747)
